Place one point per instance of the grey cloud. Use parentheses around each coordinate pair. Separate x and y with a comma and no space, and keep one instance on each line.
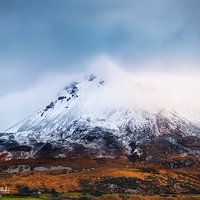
(38,36)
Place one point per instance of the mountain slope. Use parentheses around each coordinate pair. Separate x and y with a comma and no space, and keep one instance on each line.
(83,120)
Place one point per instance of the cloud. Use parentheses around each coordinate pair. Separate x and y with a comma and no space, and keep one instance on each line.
(130,30)
(151,90)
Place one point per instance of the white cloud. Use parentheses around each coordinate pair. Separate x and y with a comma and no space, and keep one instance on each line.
(151,90)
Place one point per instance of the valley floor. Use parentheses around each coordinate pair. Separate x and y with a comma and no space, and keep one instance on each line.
(84,178)
(115,196)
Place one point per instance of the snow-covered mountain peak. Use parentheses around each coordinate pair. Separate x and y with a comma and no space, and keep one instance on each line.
(91,104)
(72,100)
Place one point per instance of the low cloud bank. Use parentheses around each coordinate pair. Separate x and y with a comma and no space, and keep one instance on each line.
(151,90)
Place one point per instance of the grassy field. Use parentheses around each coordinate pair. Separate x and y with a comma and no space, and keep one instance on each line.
(101,179)
(18,198)
(115,196)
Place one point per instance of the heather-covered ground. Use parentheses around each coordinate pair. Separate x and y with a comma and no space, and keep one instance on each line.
(98,177)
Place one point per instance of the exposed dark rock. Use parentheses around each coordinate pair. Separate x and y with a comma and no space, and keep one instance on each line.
(92,77)
(62,97)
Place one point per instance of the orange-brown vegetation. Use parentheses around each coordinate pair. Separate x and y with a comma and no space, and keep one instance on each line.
(88,173)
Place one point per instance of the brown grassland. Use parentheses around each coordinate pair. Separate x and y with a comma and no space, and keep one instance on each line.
(114,178)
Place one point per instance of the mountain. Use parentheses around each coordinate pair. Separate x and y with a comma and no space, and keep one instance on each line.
(83,120)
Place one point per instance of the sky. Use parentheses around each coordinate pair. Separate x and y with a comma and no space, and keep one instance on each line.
(43,43)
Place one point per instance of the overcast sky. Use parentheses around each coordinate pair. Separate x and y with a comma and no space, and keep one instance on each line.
(44,40)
